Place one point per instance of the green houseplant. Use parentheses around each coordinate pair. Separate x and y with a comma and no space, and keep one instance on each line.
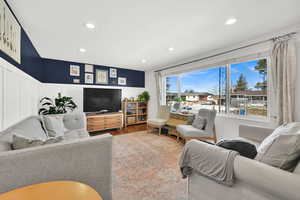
(145,97)
(60,105)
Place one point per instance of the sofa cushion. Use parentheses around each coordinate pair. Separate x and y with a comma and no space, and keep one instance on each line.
(199,123)
(54,125)
(76,134)
(30,127)
(190,131)
(74,121)
(21,142)
(282,148)
(245,149)
(5,146)
(255,143)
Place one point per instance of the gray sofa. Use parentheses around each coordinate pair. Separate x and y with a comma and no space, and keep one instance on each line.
(78,157)
(253,180)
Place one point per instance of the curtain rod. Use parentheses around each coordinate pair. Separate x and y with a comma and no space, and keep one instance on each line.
(225,52)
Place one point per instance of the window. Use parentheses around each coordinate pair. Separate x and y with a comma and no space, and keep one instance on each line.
(198,89)
(248,94)
(237,89)
(172,85)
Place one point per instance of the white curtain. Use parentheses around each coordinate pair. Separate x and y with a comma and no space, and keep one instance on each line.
(283,75)
(160,88)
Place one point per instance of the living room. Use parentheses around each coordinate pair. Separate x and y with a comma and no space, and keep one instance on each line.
(114,98)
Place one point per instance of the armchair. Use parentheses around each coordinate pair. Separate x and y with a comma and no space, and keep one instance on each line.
(160,121)
(188,132)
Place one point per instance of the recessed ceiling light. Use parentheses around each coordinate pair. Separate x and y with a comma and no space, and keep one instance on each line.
(231,21)
(144,61)
(82,50)
(171,49)
(90,25)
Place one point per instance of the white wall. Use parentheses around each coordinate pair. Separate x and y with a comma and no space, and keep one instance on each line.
(76,91)
(227,127)
(19,95)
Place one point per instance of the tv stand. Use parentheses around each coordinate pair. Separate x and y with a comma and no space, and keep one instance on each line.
(99,122)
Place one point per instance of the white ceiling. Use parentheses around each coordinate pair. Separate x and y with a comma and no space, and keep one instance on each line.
(128,31)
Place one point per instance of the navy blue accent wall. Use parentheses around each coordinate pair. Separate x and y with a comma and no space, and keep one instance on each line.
(31,61)
(56,71)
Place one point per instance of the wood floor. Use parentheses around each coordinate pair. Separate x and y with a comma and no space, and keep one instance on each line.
(126,130)
(129,129)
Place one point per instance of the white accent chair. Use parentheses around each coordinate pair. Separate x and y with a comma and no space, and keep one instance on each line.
(160,121)
(188,132)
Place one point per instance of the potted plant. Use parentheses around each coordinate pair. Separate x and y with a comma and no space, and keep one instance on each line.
(60,105)
(144,97)
(177,104)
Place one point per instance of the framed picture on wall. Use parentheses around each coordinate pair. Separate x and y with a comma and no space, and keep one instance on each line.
(113,73)
(101,76)
(89,78)
(10,33)
(122,81)
(74,70)
(89,68)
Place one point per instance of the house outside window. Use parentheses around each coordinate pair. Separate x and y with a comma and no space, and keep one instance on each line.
(239,89)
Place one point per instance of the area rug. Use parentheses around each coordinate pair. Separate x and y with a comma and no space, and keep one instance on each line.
(145,167)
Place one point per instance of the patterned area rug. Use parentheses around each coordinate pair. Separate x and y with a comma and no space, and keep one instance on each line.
(145,167)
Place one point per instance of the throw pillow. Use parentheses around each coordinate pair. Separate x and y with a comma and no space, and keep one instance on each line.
(297,169)
(54,125)
(199,123)
(21,142)
(244,148)
(282,148)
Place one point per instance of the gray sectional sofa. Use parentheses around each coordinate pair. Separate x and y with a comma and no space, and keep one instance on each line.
(253,180)
(78,157)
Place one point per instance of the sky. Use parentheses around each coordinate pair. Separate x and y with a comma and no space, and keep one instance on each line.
(208,80)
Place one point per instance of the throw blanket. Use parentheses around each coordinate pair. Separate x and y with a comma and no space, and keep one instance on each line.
(208,160)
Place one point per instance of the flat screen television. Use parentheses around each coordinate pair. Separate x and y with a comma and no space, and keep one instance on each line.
(101,100)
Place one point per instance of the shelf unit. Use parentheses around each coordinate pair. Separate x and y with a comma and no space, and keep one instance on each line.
(135,112)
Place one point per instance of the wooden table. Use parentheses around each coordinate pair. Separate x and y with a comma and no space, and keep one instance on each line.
(58,190)
(178,119)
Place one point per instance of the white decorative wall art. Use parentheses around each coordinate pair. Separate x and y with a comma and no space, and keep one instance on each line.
(89,68)
(89,78)
(122,81)
(74,70)
(113,73)
(10,33)
(101,76)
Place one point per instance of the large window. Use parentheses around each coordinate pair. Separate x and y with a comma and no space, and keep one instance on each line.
(238,89)
(198,89)
(248,94)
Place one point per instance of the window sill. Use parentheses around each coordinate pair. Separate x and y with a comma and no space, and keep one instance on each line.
(246,118)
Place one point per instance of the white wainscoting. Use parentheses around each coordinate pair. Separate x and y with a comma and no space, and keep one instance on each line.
(76,91)
(19,95)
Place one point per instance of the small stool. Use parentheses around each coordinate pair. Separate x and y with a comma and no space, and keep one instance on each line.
(156,123)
